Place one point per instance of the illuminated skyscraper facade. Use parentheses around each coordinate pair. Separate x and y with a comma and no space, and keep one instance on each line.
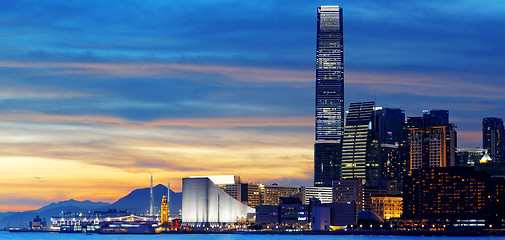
(329,74)
(360,148)
(329,95)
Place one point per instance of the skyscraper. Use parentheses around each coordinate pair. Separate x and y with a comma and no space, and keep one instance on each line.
(329,74)
(329,95)
(360,148)
(493,138)
(432,140)
(389,124)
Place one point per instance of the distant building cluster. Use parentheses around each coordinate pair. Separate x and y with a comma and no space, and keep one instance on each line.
(379,171)
(409,171)
(378,168)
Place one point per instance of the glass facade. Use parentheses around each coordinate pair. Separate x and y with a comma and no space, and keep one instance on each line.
(327,163)
(359,146)
(493,138)
(329,74)
(329,95)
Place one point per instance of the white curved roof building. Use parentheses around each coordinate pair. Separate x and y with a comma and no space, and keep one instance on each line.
(203,202)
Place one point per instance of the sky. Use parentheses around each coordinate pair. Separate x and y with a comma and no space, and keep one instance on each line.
(97,95)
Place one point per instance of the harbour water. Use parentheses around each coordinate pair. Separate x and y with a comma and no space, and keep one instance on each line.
(72,236)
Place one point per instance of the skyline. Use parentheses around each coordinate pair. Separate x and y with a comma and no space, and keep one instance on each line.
(168,89)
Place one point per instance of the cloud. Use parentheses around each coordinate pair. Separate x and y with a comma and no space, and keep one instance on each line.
(27,116)
(23,93)
(432,85)
(161,69)
(115,159)
(166,87)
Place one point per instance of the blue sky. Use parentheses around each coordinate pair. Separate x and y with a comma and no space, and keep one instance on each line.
(173,85)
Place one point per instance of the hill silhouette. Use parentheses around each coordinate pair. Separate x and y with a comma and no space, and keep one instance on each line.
(137,201)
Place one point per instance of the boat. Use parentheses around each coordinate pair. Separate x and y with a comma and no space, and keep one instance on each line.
(128,228)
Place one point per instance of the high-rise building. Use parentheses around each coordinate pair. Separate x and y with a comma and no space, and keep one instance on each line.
(329,74)
(432,142)
(360,148)
(389,124)
(436,116)
(329,95)
(493,138)
(433,147)
(453,192)
(327,162)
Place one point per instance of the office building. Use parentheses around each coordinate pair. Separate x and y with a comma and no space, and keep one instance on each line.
(327,162)
(349,191)
(387,207)
(329,74)
(360,146)
(292,211)
(254,193)
(391,163)
(389,125)
(273,193)
(323,194)
(436,117)
(493,138)
(432,147)
(329,95)
(453,192)
(469,156)
(432,143)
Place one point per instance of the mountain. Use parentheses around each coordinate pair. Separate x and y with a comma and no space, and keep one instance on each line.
(87,204)
(5,214)
(138,200)
(22,219)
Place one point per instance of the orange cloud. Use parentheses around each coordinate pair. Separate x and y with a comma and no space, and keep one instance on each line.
(103,160)
(29,116)
(162,69)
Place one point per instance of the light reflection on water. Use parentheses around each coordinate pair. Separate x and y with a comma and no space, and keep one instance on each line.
(72,236)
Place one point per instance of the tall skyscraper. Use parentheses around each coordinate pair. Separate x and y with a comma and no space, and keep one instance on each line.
(493,138)
(360,147)
(329,74)
(329,95)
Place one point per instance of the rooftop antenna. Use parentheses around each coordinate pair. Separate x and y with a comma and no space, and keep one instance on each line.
(151,198)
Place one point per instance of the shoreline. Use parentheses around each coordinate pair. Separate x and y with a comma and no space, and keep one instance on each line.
(351,232)
(340,232)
